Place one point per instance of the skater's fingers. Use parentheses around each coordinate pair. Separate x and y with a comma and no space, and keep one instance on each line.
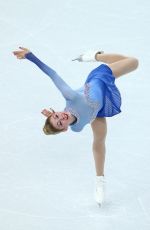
(20,57)
(46,112)
(20,54)
(43,112)
(17,52)
(23,48)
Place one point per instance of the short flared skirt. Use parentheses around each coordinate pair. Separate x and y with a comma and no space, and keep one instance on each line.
(110,93)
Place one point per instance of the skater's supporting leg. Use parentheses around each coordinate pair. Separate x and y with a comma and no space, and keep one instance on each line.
(99,128)
(119,64)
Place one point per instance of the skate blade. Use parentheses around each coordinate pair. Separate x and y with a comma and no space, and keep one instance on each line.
(76,59)
(99,205)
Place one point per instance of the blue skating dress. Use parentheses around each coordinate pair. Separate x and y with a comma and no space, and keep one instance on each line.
(98,97)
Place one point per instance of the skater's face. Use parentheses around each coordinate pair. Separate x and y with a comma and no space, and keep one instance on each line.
(60,120)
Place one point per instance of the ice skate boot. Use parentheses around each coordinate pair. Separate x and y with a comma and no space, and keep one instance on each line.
(88,56)
(100,190)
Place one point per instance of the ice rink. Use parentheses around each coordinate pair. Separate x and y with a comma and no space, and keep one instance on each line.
(47,182)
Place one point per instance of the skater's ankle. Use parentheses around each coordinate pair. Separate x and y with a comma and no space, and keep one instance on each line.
(100,175)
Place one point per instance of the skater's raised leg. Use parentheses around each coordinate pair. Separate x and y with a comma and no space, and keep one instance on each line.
(119,64)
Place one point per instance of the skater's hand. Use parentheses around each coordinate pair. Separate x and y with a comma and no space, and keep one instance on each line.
(47,112)
(21,53)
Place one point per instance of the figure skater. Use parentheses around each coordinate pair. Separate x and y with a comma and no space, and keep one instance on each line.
(97,99)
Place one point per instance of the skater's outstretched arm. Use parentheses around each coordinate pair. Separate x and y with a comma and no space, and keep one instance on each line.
(65,89)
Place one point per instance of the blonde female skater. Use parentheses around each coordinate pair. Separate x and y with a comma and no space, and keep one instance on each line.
(97,99)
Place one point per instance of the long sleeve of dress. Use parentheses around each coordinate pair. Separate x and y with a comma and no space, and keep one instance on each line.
(62,86)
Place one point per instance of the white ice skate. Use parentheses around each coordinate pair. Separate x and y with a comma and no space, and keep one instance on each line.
(88,56)
(100,190)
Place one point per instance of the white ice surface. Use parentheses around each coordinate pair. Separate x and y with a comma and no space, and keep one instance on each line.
(48,182)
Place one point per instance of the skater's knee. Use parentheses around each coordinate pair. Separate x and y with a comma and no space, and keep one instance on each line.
(99,128)
(100,138)
(135,62)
